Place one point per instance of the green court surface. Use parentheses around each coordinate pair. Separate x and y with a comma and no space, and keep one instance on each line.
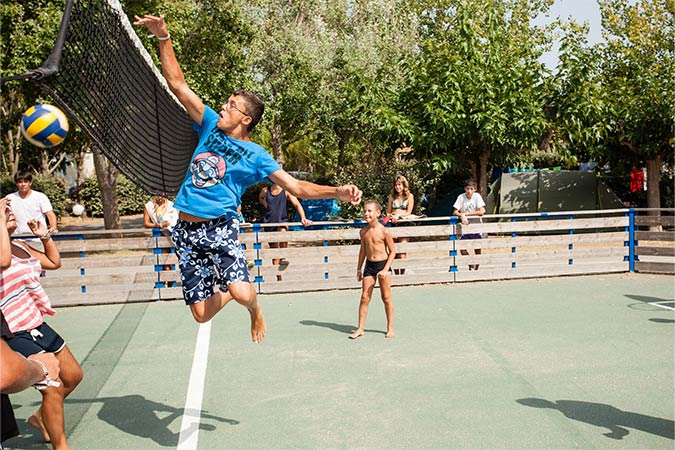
(556,363)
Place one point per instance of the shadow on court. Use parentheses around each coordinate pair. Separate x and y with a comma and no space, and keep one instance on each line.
(646,299)
(606,416)
(134,415)
(657,320)
(346,329)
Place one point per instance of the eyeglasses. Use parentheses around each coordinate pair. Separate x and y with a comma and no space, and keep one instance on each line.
(232,105)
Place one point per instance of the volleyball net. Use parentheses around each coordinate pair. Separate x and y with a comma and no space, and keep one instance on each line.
(101,74)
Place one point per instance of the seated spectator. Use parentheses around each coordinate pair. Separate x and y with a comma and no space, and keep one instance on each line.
(399,206)
(159,213)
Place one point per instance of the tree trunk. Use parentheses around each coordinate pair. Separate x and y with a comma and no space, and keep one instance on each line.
(277,144)
(482,178)
(653,188)
(44,163)
(653,180)
(107,182)
(341,152)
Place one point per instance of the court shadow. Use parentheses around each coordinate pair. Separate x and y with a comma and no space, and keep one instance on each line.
(656,320)
(645,299)
(606,416)
(346,329)
(134,414)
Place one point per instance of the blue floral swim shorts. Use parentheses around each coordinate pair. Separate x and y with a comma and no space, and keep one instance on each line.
(209,253)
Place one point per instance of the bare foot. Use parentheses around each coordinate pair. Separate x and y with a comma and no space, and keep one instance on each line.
(390,334)
(258,327)
(36,422)
(356,334)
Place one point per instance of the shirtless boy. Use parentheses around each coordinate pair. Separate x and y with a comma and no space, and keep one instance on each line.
(378,252)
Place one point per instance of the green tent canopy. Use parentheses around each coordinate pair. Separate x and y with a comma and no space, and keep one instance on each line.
(550,191)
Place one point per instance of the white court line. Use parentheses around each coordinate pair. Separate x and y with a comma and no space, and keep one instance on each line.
(189,427)
(663,306)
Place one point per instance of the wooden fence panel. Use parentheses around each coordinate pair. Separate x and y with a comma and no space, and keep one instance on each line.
(135,265)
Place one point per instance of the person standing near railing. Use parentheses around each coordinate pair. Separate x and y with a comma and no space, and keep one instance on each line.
(275,201)
(29,205)
(469,207)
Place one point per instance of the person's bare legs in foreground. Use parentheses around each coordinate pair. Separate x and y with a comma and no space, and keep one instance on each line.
(244,294)
(49,418)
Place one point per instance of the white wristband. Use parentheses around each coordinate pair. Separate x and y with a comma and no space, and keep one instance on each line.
(165,38)
(47,382)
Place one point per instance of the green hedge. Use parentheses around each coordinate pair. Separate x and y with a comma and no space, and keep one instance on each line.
(130,198)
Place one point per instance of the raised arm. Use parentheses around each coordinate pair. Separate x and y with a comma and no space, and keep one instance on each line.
(50,259)
(170,67)
(304,189)
(5,244)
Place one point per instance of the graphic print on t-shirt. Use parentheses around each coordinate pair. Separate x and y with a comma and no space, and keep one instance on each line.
(208,168)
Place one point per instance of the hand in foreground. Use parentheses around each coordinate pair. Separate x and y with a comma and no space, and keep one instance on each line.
(51,363)
(349,193)
(38,228)
(4,209)
(154,24)
(306,222)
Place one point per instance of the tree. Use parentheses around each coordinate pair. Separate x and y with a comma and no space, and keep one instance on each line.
(318,62)
(475,90)
(28,34)
(287,56)
(639,78)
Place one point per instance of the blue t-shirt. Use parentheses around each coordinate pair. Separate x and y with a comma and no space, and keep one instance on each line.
(220,171)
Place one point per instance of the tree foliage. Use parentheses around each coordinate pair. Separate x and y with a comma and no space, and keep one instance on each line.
(475,88)
(638,74)
(347,82)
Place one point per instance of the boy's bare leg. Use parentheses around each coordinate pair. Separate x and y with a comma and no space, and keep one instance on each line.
(367,284)
(244,294)
(204,311)
(385,293)
(52,423)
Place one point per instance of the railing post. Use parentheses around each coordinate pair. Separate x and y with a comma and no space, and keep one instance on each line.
(257,246)
(631,239)
(453,245)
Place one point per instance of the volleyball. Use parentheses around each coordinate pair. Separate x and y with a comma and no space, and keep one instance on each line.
(44,125)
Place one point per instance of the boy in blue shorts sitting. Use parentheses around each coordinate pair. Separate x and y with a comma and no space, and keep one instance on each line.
(223,165)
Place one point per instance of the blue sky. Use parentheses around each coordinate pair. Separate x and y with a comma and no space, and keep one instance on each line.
(579,10)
